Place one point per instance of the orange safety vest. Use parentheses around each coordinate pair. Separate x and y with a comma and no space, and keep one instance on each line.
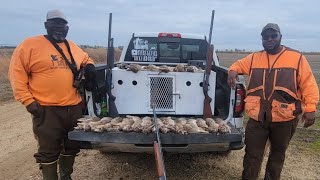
(273,91)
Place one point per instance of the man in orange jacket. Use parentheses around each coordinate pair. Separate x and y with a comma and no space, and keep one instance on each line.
(281,87)
(44,71)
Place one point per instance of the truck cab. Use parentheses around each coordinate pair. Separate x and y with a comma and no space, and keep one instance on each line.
(174,94)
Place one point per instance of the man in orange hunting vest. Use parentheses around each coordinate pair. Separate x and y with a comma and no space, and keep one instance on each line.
(281,87)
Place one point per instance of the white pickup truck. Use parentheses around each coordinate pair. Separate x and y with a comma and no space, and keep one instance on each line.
(181,95)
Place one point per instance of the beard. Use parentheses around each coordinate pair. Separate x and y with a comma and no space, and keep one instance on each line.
(272,47)
(273,50)
(58,34)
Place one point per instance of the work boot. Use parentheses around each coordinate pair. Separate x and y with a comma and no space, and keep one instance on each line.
(49,170)
(66,166)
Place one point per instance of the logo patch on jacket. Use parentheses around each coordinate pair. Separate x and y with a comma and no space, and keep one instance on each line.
(54,57)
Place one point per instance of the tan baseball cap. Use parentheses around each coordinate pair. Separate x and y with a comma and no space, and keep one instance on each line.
(52,14)
(271,26)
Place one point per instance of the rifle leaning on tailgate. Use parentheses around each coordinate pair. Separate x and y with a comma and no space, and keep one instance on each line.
(113,111)
(158,150)
(207,112)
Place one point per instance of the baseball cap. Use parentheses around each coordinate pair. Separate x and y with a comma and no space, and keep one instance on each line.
(52,14)
(271,26)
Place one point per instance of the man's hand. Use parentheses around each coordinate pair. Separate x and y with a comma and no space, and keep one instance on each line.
(232,78)
(308,118)
(33,108)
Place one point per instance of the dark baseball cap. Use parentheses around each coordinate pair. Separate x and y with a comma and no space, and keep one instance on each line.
(271,26)
(53,14)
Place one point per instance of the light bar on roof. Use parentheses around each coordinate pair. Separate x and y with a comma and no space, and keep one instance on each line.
(174,35)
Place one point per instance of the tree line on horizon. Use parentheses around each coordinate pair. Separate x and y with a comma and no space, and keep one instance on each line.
(121,48)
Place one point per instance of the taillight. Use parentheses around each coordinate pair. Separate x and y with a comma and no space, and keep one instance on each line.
(239,105)
(174,35)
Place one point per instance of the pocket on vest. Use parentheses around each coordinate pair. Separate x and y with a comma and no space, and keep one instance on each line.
(282,111)
(252,106)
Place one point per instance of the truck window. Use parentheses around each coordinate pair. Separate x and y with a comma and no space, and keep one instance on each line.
(158,49)
(169,49)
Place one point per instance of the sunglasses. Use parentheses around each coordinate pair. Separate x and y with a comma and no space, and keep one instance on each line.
(273,36)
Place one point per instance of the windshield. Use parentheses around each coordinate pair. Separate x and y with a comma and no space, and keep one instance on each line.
(167,50)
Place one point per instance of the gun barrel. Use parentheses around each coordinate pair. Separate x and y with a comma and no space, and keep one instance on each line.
(110,24)
(211,26)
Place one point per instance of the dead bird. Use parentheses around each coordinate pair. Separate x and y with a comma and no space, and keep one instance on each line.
(134,68)
(161,126)
(179,68)
(146,121)
(179,126)
(123,123)
(190,68)
(115,121)
(168,123)
(196,127)
(164,69)
(105,120)
(123,66)
(213,127)
(82,126)
(126,123)
(202,124)
(88,124)
(223,126)
(136,126)
(146,125)
(102,127)
(151,67)
(90,119)
(192,127)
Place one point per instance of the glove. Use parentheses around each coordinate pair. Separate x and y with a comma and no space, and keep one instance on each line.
(34,109)
(308,118)
(90,77)
(89,85)
(90,72)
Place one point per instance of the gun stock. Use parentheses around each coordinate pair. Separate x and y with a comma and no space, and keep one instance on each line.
(207,112)
(157,156)
(158,150)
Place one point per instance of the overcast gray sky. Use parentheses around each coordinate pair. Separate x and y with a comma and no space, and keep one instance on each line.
(237,23)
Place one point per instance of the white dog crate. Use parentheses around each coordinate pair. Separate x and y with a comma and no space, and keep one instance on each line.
(175,93)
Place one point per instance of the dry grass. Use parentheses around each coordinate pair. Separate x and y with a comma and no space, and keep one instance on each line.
(5,92)
(99,55)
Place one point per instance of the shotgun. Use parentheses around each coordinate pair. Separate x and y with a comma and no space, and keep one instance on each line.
(113,111)
(158,150)
(207,112)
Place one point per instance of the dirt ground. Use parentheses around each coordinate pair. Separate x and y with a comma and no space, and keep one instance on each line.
(17,146)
